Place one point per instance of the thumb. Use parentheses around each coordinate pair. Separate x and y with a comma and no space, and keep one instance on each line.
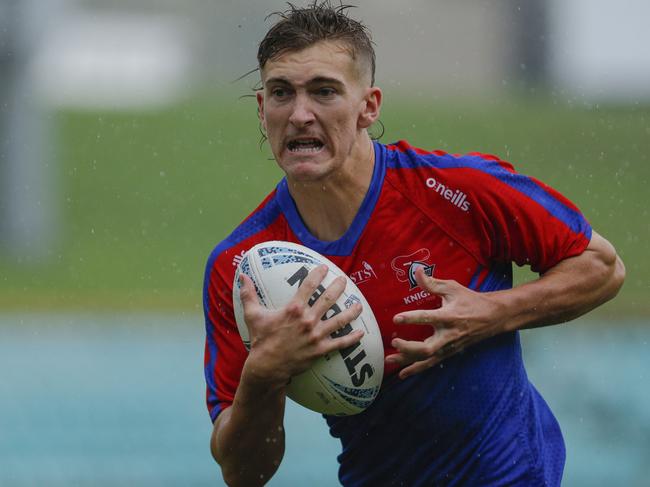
(431,284)
(247,292)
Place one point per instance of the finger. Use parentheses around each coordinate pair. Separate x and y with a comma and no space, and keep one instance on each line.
(413,350)
(419,317)
(343,342)
(310,284)
(431,284)
(247,292)
(439,356)
(418,367)
(326,300)
(335,326)
(442,343)
(427,352)
(398,359)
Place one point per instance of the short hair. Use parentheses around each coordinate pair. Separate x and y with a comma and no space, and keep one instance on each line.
(300,28)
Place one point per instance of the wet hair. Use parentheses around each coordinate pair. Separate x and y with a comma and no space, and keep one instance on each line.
(300,28)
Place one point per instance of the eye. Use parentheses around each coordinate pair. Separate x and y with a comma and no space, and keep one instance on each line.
(326,92)
(278,92)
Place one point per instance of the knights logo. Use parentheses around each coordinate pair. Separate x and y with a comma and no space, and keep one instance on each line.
(405,266)
(428,270)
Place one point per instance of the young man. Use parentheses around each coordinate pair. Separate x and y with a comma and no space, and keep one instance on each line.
(429,238)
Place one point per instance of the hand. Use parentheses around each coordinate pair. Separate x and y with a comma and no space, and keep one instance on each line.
(285,342)
(465,318)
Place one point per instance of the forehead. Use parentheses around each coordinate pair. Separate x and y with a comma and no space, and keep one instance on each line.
(322,60)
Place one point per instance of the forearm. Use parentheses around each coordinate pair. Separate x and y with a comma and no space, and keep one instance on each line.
(570,289)
(248,437)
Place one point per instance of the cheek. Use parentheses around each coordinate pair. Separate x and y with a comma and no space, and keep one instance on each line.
(273,123)
(346,125)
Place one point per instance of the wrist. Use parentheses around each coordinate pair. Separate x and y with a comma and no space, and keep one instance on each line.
(260,376)
(513,309)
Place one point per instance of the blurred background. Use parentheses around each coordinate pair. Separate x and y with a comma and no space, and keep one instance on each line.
(129,148)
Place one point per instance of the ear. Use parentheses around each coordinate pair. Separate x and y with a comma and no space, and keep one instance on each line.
(260,107)
(371,108)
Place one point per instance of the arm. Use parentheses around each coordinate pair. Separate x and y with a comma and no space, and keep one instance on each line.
(571,288)
(248,437)
(568,290)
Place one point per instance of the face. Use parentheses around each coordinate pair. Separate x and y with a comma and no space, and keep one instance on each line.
(315,106)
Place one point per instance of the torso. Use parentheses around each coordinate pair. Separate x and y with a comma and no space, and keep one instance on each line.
(407,219)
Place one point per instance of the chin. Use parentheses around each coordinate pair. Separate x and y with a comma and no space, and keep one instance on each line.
(305,169)
(305,175)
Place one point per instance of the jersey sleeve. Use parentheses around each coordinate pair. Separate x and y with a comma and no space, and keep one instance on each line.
(497,214)
(224,351)
(521,219)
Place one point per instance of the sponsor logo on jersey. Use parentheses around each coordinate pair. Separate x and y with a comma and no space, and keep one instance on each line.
(364,274)
(236,260)
(405,266)
(455,196)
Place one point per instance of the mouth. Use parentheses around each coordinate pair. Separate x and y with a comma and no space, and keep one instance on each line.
(305,145)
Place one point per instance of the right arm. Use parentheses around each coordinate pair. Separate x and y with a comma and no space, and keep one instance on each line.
(248,437)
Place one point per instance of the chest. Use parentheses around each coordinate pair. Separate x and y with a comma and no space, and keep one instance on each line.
(397,240)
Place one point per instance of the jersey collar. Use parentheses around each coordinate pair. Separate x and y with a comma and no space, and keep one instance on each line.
(345,245)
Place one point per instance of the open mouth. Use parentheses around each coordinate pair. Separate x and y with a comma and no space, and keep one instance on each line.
(304,145)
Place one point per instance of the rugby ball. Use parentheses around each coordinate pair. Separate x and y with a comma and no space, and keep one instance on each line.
(344,382)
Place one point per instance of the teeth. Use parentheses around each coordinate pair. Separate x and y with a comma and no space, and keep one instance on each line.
(305,149)
(305,145)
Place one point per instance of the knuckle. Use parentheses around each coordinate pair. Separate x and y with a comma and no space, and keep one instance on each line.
(327,297)
(429,349)
(305,323)
(294,309)
(313,337)
(344,318)
(251,314)
(244,294)
(457,334)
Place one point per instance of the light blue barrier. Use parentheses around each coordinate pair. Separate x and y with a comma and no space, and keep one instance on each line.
(119,400)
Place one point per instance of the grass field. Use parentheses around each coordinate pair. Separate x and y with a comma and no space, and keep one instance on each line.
(146,196)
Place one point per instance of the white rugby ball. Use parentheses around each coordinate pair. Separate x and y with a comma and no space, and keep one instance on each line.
(343,382)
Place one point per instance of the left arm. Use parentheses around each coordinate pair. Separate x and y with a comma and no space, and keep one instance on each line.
(569,289)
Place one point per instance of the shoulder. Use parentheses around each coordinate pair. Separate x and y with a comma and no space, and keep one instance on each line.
(483,180)
(439,178)
(263,223)
(403,159)
(479,199)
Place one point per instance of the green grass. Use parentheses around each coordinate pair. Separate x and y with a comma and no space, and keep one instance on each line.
(148,195)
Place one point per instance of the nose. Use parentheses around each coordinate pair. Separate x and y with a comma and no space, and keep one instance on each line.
(301,114)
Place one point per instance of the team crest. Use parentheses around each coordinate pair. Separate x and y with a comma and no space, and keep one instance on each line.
(405,266)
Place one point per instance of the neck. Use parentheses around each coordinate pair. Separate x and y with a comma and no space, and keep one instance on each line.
(328,206)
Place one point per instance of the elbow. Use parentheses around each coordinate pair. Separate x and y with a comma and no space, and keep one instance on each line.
(243,478)
(233,479)
(613,276)
(609,270)
(617,278)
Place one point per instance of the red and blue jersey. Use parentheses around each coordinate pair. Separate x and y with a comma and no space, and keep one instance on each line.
(474,419)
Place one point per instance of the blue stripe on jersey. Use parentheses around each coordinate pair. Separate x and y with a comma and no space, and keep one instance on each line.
(500,277)
(345,245)
(212,346)
(473,281)
(570,217)
(257,221)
